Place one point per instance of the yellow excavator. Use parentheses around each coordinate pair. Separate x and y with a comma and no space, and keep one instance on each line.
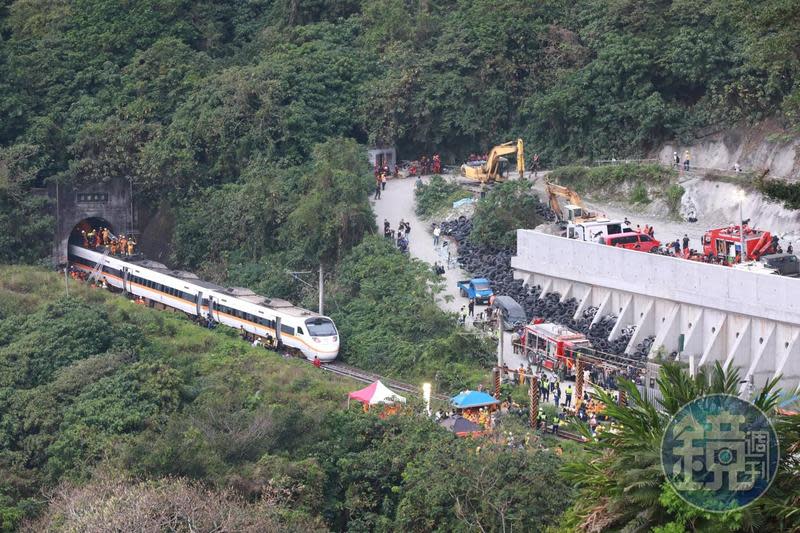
(574,210)
(491,170)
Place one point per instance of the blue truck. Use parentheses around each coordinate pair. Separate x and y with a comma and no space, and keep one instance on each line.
(477,288)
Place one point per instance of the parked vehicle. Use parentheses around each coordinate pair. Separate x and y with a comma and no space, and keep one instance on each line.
(633,241)
(784,264)
(591,230)
(574,210)
(553,346)
(511,313)
(726,243)
(477,288)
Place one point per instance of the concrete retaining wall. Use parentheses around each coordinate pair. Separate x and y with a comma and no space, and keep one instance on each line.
(748,320)
(735,291)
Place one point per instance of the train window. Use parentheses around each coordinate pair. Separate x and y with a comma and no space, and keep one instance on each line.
(300,331)
(320,327)
(289,330)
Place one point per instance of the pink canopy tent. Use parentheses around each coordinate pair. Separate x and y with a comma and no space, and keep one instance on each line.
(375,393)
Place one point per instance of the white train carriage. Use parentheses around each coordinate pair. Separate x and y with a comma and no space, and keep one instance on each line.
(312,334)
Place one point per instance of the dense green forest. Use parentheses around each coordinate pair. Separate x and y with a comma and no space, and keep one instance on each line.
(214,102)
(247,122)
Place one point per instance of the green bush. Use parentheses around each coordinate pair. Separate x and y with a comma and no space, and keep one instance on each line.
(608,179)
(639,194)
(438,195)
(673,195)
(390,323)
(782,191)
(508,206)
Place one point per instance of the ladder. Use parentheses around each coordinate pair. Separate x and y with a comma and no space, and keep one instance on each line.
(99,266)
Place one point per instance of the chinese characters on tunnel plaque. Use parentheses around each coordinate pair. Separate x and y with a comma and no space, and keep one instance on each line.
(720,453)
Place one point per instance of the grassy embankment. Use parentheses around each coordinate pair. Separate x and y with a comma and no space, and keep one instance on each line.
(631,183)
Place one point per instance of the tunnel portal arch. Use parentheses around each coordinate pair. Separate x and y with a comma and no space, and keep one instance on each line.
(107,204)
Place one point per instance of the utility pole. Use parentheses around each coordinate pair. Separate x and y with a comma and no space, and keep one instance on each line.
(743,255)
(321,292)
(500,340)
(296,276)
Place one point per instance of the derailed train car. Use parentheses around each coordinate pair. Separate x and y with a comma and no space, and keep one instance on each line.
(309,333)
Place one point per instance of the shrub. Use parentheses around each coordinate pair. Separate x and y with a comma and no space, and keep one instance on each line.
(609,178)
(508,207)
(438,195)
(782,191)
(673,196)
(639,194)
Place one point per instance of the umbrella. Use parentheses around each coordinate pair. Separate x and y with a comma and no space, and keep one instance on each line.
(460,425)
(469,399)
(376,393)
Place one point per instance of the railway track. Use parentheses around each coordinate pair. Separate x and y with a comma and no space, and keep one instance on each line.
(342,369)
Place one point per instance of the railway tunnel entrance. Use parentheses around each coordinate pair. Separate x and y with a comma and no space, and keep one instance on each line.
(85,227)
(108,204)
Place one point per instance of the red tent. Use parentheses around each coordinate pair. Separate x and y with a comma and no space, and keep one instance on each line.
(376,393)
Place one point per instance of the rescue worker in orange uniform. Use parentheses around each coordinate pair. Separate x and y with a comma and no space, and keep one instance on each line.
(131,245)
(105,236)
(114,247)
(123,244)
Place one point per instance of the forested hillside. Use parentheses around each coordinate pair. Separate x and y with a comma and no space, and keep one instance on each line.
(247,122)
(208,102)
(115,416)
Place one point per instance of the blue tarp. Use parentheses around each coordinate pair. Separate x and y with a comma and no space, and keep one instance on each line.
(471,398)
(463,201)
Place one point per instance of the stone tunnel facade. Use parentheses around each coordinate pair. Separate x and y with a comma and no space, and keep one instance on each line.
(109,202)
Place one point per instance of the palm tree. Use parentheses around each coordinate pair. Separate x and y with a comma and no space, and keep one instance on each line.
(621,483)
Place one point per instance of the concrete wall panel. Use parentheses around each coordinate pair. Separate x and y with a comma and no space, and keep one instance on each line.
(729,316)
(727,289)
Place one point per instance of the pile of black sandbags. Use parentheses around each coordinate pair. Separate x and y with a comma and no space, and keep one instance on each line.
(494,263)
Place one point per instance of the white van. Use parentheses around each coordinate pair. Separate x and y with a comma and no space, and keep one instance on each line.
(590,231)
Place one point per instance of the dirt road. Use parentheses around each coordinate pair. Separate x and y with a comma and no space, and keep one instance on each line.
(396,203)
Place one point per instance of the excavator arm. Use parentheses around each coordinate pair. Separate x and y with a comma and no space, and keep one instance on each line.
(490,171)
(555,191)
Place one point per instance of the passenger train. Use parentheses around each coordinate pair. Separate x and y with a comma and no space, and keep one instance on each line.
(310,333)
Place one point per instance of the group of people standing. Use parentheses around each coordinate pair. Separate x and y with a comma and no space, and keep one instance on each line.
(426,165)
(400,236)
(122,245)
(676,160)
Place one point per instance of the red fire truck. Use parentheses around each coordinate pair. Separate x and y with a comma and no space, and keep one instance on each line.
(725,243)
(553,346)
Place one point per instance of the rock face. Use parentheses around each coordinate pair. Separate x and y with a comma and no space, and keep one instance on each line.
(753,148)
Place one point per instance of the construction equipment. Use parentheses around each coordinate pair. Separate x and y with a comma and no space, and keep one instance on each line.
(492,168)
(574,210)
(726,243)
